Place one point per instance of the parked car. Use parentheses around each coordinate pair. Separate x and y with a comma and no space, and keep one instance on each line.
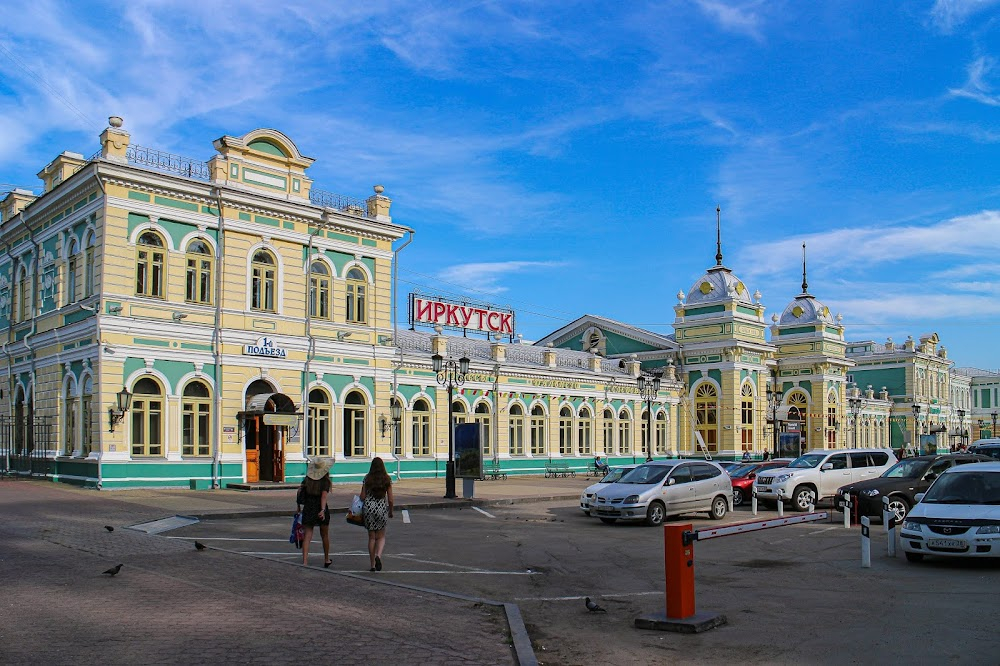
(817,475)
(614,474)
(662,488)
(728,465)
(900,483)
(986,447)
(958,516)
(742,477)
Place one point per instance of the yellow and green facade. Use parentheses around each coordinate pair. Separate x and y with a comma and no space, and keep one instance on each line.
(245,318)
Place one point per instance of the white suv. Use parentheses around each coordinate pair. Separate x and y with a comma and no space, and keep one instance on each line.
(817,474)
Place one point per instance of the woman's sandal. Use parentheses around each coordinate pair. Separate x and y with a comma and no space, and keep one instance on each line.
(326,565)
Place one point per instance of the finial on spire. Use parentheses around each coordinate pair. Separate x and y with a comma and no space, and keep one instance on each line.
(805,285)
(718,236)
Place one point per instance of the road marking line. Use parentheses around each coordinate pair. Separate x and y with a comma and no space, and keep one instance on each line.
(409,557)
(208,538)
(406,517)
(819,531)
(485,513)
(459,573)
(603,596)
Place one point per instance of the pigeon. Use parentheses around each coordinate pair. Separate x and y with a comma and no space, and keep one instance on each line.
(199,545)
(109,528)
(113,571)
(593,607)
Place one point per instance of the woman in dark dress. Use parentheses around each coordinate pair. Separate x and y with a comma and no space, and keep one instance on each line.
(311,499)
(376,491)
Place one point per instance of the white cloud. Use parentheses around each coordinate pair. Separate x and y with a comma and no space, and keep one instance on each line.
(740,18)
(485,277)
(978,87)
(946,15)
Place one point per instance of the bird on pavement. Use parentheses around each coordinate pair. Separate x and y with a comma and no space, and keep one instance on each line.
(113,571)
(593,607)
(199,545)
(109,528)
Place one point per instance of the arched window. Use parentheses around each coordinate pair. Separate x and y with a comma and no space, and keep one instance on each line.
(624,432)
(565,431)
(319,290)
(70,424)
(87,416)
(798,412)
(355,420)
(482,417)
(583,442)
(516,425)
(421,428)
(609,432)
(706,405)
(22,294)
(458,414)
(200,267)
(147,418)
(319,424)
(661,432)
(196,426)
(357,296)
(263,278)
(746,417)
(537,427)
(150,264)
(89,268)
(72,266)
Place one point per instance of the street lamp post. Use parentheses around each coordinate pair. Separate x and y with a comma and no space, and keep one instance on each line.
(982,426)
(961,428)
(396,411)
(773,401)
(649,388)
(450,373)
(916,429)
(857,404)
(993,433)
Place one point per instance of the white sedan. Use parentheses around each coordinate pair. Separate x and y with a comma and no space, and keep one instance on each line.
(958,516)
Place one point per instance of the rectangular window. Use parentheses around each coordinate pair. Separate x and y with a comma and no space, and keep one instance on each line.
(421,428)
(583,436)
(319,431)
(517,435)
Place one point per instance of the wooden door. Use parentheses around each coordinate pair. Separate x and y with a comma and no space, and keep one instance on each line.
(253,466)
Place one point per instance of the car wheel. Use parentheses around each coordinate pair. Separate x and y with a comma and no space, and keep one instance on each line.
(737,496)
(609,521)
(914,557)
(803,497)
(655,514)
(719,508)
(900,507)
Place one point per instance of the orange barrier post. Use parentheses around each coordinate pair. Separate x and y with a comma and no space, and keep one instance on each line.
(678,561)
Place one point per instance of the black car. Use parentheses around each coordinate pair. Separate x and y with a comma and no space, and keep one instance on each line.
(900,483)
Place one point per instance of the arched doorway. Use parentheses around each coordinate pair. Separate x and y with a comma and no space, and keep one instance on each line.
(266,420)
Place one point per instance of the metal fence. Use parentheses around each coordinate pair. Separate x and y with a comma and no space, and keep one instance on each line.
(27,445)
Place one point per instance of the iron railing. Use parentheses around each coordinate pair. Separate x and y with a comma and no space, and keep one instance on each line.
(167,162)
(27,445)
(340,202)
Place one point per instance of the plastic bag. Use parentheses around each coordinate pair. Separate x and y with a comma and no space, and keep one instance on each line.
(297,534)
(357,506)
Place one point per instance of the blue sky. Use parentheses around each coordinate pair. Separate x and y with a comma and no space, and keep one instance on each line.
(567,157)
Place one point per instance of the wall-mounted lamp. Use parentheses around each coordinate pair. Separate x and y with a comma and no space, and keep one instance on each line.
(177,316)
(383,425)
(117,414)
(114,309)
(343,334)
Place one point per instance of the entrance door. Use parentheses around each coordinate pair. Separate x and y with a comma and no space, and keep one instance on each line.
(253,466)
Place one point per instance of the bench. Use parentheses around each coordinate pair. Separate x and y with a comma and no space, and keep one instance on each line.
(592,470)
(493,471)
(554,469)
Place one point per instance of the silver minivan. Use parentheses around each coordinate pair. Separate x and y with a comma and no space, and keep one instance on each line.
(662,488)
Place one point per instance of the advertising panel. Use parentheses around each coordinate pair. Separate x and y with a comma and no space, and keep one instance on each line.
(468,451)
(461,315)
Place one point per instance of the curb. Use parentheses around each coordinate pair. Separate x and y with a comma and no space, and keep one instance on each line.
(452,504)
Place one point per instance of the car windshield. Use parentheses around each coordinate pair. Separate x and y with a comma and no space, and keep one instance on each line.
(809,460)
(906,469)
(741,471)
(646,474)
(965,488)
(614,475)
